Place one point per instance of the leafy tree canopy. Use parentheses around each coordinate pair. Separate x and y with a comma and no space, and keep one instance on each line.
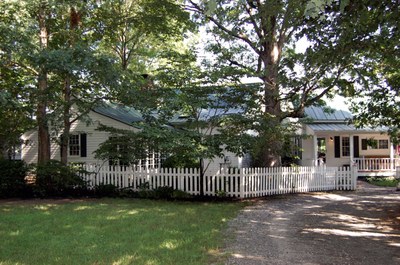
(258,39)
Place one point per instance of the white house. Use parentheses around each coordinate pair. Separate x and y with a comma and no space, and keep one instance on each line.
(332,140)
(328,139)
(85,139)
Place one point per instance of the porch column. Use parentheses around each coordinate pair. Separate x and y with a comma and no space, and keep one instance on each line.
(351,150)
(392,162)
(315,145)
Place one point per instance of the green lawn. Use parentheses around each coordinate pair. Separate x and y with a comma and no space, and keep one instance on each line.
(113,231)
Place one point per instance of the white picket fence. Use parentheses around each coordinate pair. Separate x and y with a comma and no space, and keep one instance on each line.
(242,183)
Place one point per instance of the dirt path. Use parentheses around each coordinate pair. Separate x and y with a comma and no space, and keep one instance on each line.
(361,227)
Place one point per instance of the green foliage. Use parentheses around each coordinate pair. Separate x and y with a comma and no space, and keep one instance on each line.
(14,121)
(180,195)
(15,79)
(123,146)
(144,191)
(136,32)
(350,45)
(180,161)
(375,101)
(106,190)
(83,46)
(221,194)
(384,181)
(12,179)
(162,192)
(191,123)
(372,143)
(56,179)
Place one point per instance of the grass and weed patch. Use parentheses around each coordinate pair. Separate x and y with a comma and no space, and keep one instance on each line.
(383,181)
(113,231)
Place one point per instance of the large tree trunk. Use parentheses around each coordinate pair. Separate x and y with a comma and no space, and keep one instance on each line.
(74,24)
(41,111)
(271,141)
(201,183)
(66,120)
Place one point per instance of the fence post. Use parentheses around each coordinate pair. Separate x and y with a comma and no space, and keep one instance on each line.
(337,178)
(242,193)
(354,177)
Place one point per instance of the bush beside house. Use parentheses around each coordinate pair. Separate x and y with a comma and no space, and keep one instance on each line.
(54,179)
(12,179)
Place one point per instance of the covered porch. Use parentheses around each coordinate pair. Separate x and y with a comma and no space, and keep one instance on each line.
(337,145)
(377,166)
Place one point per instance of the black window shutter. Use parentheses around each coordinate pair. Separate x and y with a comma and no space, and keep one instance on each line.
(61,145)
(83,145)
(364,144)
(337,146)
(356,146)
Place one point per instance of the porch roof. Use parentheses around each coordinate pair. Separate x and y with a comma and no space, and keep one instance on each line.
(319,114)
(348,128)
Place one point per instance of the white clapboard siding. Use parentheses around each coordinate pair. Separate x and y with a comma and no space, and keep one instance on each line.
(233,182)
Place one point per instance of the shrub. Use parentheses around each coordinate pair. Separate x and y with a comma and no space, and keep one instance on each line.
(164,192)
(12,178)
(56,179)
(128,192)
(383,181)
(180,195)
(221,194)
(106,190)
(144,191)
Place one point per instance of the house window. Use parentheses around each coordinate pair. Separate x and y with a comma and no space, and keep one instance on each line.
(74,145)
(374,144)
(383,144)
(153,160)
(364,144)
(296,147)
(118,153)
(345,146)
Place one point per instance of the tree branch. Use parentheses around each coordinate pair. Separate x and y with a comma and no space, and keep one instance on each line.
(244,38)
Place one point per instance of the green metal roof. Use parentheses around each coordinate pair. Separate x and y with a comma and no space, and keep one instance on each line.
(318,114)
(119,112)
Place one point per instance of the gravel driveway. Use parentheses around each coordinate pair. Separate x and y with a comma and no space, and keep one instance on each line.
(361,227)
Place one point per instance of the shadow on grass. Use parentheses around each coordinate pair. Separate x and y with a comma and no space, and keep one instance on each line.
(112,231)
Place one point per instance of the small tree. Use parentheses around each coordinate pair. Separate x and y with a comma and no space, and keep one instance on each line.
(192,124)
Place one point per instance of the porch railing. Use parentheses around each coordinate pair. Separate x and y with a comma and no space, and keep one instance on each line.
(377,164)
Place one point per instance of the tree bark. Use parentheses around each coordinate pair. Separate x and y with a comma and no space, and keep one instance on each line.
(201,182)
(74,24)
(271,143)
(66,119)
(41,111)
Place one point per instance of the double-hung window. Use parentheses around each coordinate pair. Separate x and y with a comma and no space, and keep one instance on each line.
(77,145)
(383,144)
(74,145)
(345,146)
